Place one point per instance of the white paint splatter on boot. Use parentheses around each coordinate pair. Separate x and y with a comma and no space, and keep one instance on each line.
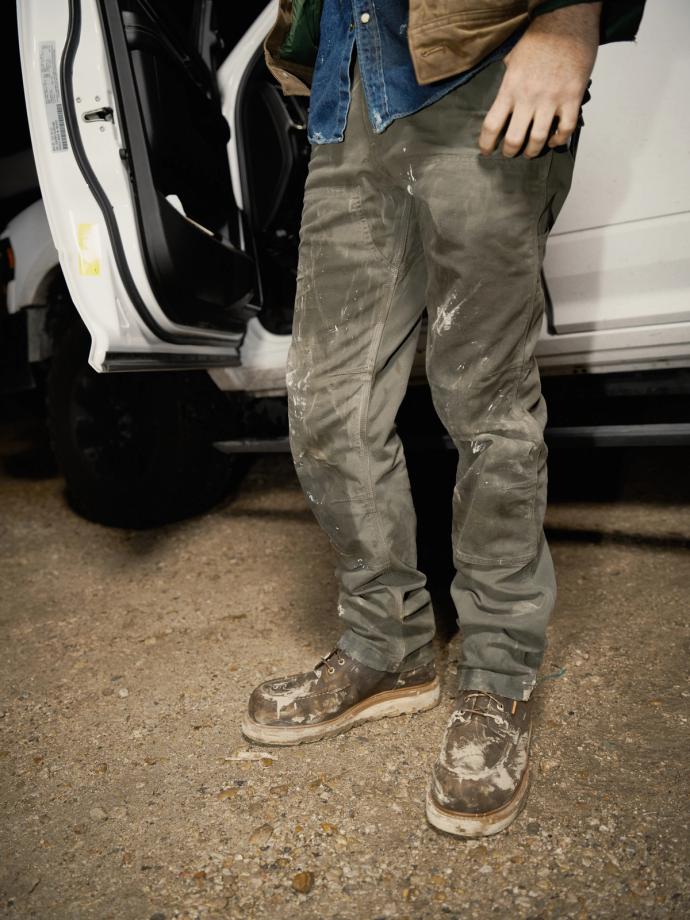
(479,782)
(337,694)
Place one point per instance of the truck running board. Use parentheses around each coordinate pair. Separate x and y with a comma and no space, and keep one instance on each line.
(662,435)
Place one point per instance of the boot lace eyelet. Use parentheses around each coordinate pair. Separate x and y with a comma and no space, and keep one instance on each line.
(341,661)
(331,670)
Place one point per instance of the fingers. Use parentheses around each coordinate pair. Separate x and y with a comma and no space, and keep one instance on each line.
(518,129)
(567,122)
(494,122)
(539,132)
(527,128)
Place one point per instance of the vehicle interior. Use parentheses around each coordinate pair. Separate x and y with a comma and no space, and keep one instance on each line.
(274,154)
(166,56)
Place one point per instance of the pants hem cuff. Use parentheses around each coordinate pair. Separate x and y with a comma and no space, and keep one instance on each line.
(515,688)
(369,655)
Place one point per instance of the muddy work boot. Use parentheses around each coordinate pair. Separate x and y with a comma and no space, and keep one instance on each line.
(479,782)
(337,695)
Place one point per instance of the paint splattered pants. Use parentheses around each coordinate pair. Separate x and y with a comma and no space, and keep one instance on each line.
(392,224)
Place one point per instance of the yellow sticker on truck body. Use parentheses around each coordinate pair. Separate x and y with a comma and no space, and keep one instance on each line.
(89,243)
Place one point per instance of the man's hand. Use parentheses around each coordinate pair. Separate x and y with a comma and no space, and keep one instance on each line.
(545,80)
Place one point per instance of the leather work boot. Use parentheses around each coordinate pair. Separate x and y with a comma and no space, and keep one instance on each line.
(337,695)
(479,782)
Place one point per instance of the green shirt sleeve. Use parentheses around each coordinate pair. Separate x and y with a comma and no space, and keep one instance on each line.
(620,19)
(301,44)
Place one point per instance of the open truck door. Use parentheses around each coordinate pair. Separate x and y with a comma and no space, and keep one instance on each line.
(131,148)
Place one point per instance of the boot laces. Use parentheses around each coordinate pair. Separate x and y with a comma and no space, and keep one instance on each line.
(468,709)
(325,662)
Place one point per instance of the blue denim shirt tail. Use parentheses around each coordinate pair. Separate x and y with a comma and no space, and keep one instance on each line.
(379,32)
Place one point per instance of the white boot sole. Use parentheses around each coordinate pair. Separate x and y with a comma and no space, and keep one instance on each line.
(472,825)
(401,702)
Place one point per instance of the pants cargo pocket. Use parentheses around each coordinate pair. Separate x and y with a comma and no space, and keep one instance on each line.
(494,502)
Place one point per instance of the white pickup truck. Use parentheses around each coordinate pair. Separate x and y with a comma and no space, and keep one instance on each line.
(153,275)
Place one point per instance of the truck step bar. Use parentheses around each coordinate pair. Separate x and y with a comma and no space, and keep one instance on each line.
(661,435)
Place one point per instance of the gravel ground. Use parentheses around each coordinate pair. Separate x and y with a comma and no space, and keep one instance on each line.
(127,658)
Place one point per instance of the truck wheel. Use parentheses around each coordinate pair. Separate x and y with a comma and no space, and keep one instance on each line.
(136,449)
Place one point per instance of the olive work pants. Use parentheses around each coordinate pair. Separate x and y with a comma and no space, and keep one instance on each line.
(393,223)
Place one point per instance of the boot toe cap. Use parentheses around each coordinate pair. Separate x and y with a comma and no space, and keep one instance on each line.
(471,796)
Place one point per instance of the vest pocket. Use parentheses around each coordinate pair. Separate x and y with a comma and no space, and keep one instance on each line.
(444,45)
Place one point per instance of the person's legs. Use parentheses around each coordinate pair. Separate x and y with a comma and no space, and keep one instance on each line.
(484,223)
(359,301)
(360,296)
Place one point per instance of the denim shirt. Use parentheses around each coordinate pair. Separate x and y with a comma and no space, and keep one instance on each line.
(378,28)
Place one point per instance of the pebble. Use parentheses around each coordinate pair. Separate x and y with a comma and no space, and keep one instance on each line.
(123,693)
(98,813)
(303,882)
(249,755)
(261,835)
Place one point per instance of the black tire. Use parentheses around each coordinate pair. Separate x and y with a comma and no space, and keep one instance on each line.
(136,449)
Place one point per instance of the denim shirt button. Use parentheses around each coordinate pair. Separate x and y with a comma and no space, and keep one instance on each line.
(365,17)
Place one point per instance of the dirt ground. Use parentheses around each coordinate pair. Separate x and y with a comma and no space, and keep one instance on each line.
(126,661)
